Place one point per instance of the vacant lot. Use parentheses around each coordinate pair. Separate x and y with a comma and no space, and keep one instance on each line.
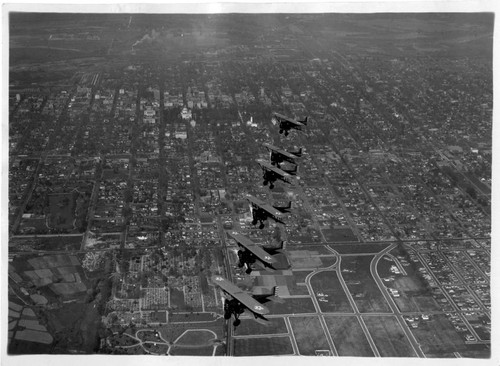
(300,276)
(300,259)
(309,335)
(388,336)
(358,248)
(348,336)
(196,337)
(291,306)
(361,284)
(250,327)
(272,346)
(437,335)
(343,234)
(335,299)
(191,351)
(62,207)
(314,249)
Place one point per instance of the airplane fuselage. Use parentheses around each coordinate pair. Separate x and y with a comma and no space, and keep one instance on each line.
(286,123)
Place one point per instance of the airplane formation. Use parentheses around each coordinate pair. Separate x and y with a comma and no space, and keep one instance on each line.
(249,253)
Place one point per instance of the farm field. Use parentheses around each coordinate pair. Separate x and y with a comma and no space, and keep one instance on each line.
(348,336)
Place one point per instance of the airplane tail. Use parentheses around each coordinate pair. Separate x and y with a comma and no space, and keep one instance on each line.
(304,121)
(284,208)
(297,153)
(276,297)
(292,171)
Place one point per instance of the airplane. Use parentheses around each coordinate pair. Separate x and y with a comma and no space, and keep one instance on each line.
(271,173)
(286,123)
(242,301)
(252,253)
(261,211)
(279,155)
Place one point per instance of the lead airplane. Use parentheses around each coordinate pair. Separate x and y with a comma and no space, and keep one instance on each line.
(241,301)
(279,156)
(262,210)
(272,173)
(287,123)
(252,253)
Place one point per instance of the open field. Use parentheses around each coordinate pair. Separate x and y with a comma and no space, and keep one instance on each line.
(300,259)
(50,261)
(437,335)
(358,248)
(192,317)
(155,348)
(21,347)
(298,290)
(33,226)
(348,336)
(309,335)
(177,299)
(361,284)
(425,303)
(137,350)
(77,327)
(250,327)
(404,301)
(196,337)
(314,249)
(67,243)
(62,207)
(292,306)
(272,346)
(191,351)
(388,336)
(328,261)
(414,295)
(118,340)
(300,276)
(34,336)
(327,283)
(170,332)
(344,234)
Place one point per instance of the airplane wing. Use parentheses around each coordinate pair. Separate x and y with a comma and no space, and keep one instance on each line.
(279,151)
(253,248)
(266,165)
(288,120)
(265,206)
(248,301)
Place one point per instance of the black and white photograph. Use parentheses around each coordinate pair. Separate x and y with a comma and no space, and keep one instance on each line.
(247,181)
